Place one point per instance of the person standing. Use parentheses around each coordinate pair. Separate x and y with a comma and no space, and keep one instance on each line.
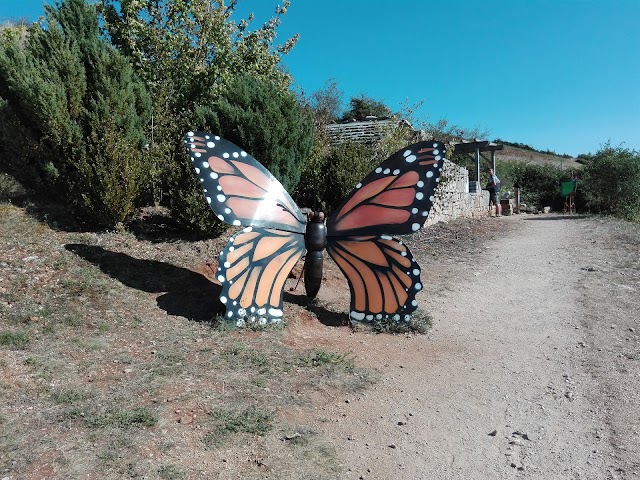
(493,186)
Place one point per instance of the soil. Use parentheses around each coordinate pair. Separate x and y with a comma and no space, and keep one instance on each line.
(530,371)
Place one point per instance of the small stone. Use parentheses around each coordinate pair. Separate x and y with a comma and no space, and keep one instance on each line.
(186,420)
(392,445)
(402,423)
(493,433)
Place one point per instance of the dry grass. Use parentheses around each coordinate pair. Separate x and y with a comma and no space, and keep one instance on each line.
(514,154)
(111,366)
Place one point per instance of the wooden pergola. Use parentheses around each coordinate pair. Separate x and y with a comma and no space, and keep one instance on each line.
(477,148)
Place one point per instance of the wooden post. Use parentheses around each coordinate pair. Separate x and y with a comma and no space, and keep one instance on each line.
(478,165)
(517,193)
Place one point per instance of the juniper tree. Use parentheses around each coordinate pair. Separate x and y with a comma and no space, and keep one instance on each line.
(74,114)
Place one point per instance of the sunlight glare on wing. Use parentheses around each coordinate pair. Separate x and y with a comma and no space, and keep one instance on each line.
(270,199)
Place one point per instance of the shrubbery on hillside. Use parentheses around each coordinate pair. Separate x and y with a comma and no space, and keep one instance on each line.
(539,184)
(611,182)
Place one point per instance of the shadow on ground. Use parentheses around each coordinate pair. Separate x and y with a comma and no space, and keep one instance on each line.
(326,317)
(558,217)
(186,293)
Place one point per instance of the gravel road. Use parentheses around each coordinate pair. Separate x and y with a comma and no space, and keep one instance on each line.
(531,369)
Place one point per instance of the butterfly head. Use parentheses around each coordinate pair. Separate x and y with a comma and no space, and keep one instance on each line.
(315,217)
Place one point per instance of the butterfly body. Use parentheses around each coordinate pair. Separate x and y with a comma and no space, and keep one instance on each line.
(315,243)
(382,274)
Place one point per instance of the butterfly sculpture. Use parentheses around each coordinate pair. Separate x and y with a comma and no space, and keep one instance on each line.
(383,276)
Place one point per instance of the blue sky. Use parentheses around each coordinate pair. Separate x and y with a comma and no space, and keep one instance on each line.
(555,74)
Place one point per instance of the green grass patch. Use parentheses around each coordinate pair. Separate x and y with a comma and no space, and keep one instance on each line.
(137,417)
(252,420)
(319,358)
(17,340)
(171,472)
(420,323)
(70,396)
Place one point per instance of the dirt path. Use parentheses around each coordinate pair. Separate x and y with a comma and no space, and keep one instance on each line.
(530,370)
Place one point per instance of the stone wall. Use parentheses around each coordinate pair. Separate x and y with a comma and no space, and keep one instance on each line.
(453,198)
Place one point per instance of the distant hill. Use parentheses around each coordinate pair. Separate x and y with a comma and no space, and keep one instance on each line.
(511,153)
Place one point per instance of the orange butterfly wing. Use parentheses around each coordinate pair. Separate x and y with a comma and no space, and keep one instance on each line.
(253,269)
(382,274)
(239,190)
(396,197)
